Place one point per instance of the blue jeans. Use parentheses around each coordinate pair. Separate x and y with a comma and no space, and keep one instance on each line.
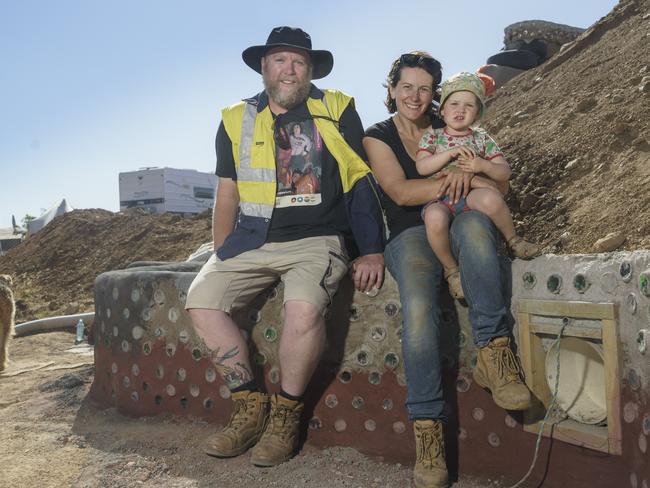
(418,273)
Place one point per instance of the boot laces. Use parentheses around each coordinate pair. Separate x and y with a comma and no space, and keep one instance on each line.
(239,411)
(280,416)
(507,363)
(430,444)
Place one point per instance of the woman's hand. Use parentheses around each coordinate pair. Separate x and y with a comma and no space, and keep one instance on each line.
(457,183)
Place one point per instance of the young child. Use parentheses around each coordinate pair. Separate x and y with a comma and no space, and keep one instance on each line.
(472,150)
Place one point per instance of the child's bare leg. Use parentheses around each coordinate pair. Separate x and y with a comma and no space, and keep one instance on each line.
(436,223)
(492,204)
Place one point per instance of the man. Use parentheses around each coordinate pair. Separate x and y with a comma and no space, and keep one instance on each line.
(263,231)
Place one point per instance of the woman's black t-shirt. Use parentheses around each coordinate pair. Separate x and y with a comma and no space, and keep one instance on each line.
(399,218)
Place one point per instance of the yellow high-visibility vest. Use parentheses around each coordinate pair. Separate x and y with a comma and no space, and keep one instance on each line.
(253,149)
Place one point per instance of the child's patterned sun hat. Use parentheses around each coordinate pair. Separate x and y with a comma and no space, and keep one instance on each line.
(463,81)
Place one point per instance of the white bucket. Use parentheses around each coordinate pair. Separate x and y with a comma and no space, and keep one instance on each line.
(581,391)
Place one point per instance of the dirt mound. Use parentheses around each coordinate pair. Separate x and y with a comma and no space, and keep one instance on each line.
(54,270)
(575,131)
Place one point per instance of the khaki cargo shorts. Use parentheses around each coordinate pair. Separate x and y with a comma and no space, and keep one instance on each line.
(310,269)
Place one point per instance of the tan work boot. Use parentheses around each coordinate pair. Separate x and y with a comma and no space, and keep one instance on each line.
(430,469)
(245,427)
(498,369)
(280,437)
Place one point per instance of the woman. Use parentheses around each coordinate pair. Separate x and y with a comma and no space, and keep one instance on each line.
(391,146)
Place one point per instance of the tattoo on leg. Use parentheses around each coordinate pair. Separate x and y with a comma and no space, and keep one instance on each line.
(234,375)
(228,355)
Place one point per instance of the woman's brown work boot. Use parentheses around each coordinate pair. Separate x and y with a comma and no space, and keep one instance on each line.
(430,469)
(497,369)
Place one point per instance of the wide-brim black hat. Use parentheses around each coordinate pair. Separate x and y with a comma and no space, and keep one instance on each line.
(293,37)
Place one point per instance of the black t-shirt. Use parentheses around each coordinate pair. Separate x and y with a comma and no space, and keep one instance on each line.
(399,218)
(309,199)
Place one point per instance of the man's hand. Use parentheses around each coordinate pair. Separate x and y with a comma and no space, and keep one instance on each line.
(368,272)
(456,185)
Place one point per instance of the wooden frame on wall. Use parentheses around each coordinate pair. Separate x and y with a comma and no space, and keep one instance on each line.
(538,319)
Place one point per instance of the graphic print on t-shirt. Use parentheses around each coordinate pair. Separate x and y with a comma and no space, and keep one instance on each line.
(299,149)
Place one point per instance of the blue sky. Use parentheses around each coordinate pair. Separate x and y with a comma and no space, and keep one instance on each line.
(90,89)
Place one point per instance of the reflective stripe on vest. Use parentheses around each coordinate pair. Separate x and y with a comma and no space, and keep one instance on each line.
(251,135)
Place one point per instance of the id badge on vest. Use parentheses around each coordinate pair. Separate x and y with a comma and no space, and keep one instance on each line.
(299,149)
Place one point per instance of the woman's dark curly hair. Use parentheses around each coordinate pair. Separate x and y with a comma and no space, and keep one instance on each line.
(414,59)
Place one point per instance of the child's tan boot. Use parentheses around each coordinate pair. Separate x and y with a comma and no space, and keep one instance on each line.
(452,275)
(523,249)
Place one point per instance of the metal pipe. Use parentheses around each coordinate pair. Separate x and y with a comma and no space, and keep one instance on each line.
(49,323)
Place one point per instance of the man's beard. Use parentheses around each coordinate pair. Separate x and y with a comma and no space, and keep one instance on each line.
(287,100)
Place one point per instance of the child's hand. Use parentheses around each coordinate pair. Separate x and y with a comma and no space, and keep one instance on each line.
(461,152)
(474,165)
